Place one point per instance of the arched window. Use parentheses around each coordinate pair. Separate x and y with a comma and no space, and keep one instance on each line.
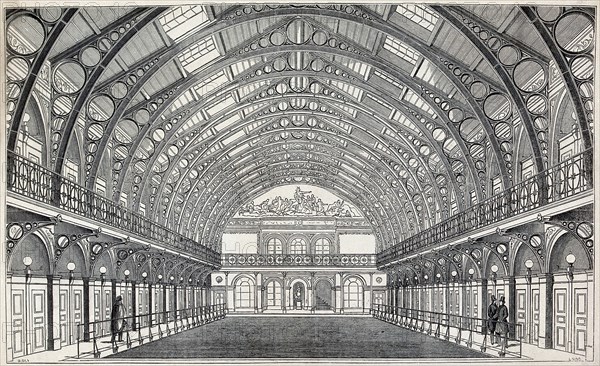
(273,294)
(353,293)
(274,246)
(322,246)
(244,294)
(298,246)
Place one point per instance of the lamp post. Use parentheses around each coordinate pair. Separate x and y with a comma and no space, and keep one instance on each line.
(71,268)
(102,275)
(471,273)
(494,275)
(528,265)
(144,276)
(570,258)
(27,261)
(126,273)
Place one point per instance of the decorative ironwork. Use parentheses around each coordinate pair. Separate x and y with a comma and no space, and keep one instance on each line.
(306,260)
(562,181)
(34,181)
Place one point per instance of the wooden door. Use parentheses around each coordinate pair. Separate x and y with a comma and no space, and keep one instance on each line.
(63,301)
(521,312)
(37,331)
(18,322)
(535,315)
(580,321)
(76,316)
(560,319)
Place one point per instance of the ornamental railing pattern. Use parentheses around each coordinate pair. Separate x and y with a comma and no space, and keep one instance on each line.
(564,180)
(32,180)
(306,260)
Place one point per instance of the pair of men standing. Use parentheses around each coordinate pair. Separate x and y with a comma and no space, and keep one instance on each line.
(497,323)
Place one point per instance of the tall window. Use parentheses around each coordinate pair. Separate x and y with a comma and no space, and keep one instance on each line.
(353,293)
(244,294)
(298,246)
(273,294)
(322,246)
(274,246)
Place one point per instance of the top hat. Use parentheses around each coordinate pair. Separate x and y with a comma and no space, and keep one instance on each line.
(502,298)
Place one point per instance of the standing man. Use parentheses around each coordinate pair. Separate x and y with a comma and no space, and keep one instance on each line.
(502,326)
(492,313)
(117,319)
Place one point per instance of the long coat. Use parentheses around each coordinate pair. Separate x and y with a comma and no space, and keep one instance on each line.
(116,317)
(492,316)
(502,326)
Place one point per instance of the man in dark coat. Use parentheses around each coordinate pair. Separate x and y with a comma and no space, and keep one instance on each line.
(117,319)
(502,325)
(492,313)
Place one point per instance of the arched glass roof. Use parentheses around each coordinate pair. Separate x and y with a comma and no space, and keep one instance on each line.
(411,112)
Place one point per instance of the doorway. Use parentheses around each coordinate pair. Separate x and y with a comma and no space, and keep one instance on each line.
(323,296)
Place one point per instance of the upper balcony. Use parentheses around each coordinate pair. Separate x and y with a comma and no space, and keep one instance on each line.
(28,179)
(569,179)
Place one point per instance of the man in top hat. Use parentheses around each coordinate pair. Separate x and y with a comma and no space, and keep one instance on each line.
(502,326)
(117,319)
(492,313)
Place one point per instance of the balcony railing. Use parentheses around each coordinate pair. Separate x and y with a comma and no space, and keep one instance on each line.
(470,331)
(305,260)
(32,180)
(564,180)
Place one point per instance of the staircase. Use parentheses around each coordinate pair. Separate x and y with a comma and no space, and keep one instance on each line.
(322,304)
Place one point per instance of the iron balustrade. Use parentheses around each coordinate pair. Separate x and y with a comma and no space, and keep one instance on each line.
(319,260)
(156,325)
(32,180)
(451,327)
(564,180)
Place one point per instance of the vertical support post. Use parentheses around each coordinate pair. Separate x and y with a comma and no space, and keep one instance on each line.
(86,309)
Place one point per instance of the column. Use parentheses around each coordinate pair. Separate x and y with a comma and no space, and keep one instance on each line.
(151,308)
(53,319)
(370,291)
(283,293)
(546,310)
(311,292)
(257,291)
(174,302)
(133,306)
(341,274)
(337,292)
(512,304)
(484,301)
(228,296)
(86,308)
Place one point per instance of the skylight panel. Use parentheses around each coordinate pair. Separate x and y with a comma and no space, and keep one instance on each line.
(355,92)
(401,119)
(192,122)
(228,122)
(248,110)
(388,79)
(254,125)
(198,54)
(210,84)
(346,127)
(180,22)
(245,90)
(350,169)
(401,50)
(417,101)
(184,99)
(380,101)
(242,66)
(233,137)
(356,66)
(351,111)
(419,14)
(238,149)
(379,146)
(220,106)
